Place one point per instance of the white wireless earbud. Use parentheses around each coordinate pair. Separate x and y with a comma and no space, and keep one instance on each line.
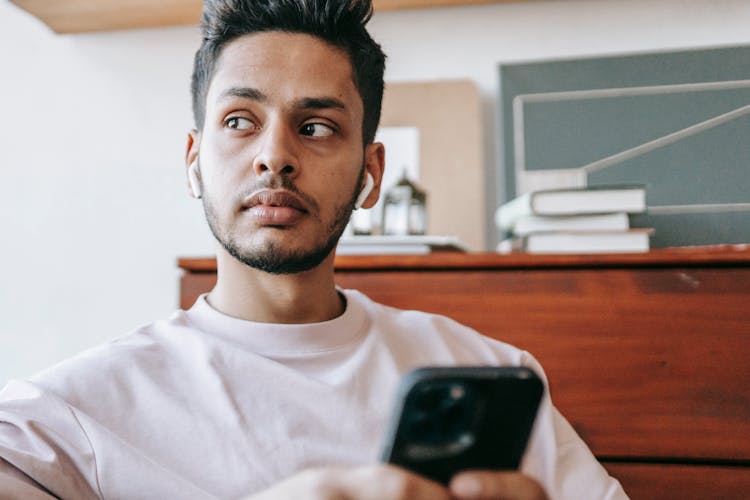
(369,184)
(193,181)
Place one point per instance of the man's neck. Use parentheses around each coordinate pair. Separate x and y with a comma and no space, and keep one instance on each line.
(246,293)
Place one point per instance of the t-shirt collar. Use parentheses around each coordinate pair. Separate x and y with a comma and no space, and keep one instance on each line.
(273,338)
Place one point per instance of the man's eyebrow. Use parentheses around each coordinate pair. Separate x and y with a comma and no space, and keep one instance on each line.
(244,92)
(320,103)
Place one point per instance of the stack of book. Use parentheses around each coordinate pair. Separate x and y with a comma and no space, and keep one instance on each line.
(575,220)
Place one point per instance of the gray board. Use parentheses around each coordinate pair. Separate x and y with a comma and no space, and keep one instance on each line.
(702,174)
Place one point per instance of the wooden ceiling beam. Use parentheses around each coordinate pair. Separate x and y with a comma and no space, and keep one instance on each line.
(79,16)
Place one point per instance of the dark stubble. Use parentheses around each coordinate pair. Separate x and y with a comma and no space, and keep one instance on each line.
(274,258)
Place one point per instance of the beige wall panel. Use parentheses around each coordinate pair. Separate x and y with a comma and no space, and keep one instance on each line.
(448,115)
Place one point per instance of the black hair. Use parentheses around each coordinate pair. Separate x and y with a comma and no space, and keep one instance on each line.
(341,23)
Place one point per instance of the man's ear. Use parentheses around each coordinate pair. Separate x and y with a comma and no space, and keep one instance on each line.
(191,157)
(374,165)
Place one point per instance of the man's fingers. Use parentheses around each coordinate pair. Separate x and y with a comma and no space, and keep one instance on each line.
(492,485)
(376,482)
(387,482)
(381,482)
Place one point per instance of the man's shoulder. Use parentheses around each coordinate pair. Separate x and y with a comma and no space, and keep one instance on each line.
(382,312)
(95,371)
(431,334)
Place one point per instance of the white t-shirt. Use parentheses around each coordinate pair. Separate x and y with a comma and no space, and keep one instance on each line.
(205,405)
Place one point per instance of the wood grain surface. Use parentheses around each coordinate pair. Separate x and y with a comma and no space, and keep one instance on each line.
(76,16)
(682,482)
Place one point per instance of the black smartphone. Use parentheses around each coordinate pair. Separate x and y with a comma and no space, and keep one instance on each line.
(450,419)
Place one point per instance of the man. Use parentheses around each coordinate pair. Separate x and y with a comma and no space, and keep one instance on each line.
(276,384)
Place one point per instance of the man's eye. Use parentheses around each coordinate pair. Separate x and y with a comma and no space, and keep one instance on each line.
(239,123)
(316,130)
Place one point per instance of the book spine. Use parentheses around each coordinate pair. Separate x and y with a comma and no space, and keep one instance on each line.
(508,213)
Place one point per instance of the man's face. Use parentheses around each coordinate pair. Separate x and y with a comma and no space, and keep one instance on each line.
(281,155)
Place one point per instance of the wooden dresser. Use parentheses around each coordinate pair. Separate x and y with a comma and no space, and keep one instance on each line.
(648,355)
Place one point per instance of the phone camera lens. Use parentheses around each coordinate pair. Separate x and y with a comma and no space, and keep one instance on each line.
(457,392)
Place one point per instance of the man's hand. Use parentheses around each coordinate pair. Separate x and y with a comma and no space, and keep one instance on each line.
(386,482)
(373,482)
(495,485)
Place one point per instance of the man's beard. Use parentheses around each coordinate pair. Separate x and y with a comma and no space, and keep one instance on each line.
(273,258)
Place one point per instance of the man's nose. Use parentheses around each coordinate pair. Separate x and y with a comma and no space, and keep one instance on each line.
(277,154)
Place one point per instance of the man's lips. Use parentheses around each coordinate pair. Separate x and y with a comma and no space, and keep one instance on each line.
(275,208)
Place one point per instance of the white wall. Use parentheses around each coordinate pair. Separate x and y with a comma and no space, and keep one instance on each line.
(94,209)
